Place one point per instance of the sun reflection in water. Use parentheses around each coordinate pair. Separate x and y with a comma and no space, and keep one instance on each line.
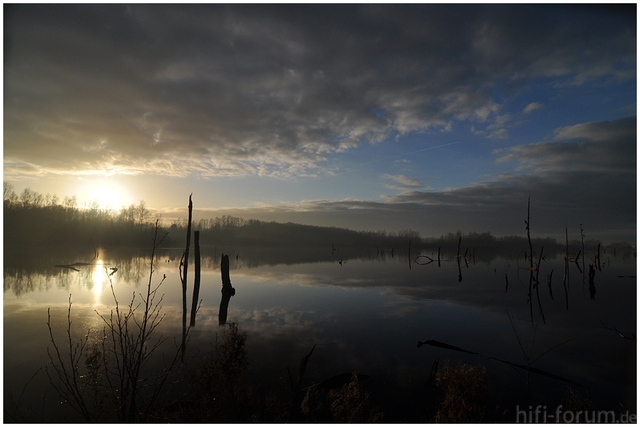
(99,279)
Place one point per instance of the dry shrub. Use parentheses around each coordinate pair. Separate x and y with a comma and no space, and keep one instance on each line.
(352,405)
(349,404)
(576,402)
(465,393)
(267,407)
(220,378)
(314,407)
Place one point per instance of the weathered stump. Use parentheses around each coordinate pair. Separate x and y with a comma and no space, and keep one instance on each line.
(227,290)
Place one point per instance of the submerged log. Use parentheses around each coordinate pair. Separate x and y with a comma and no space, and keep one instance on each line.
(79,263)
(527,367)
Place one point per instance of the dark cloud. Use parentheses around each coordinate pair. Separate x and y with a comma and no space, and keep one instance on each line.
(586,175)
(274,89)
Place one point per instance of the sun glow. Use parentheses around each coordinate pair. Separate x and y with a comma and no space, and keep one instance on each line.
(108,194)
(107,197)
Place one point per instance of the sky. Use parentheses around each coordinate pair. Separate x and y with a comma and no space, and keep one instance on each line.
(435,118)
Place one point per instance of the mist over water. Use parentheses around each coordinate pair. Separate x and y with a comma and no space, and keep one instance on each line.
(364,309)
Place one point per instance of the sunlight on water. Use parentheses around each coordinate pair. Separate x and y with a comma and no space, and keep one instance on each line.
(97,277)
(100,280)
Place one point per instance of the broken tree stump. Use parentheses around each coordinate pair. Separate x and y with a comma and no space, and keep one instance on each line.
(227,290)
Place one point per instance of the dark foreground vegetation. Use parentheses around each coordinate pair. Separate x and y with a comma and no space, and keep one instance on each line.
(94,375)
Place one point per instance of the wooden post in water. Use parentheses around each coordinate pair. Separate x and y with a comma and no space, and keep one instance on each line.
(458,256)
(224,270)
(531,269)
(227,290)
(196,279)
(185,267)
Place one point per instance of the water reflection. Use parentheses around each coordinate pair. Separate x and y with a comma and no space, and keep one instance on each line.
(98,276)
(366,315)
(227,290)
(592,286)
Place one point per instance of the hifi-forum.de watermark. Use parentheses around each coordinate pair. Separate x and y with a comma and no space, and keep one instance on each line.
(541,414)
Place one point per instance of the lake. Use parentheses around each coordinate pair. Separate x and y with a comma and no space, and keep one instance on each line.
(364,310)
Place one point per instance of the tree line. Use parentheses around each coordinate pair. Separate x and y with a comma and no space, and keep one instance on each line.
(34,222)
(251,232)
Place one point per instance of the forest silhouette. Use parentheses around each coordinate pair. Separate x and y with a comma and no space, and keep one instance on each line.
(35,224)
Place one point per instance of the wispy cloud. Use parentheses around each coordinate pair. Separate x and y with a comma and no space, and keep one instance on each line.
(532,107)
(402,182)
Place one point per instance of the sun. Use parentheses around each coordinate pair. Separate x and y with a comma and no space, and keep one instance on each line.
(107,197)
(107,193)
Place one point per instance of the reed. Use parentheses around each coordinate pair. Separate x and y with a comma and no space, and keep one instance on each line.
(296,388)
(565,277)
(534,269)
(458,259)
(582,236)
(529,360)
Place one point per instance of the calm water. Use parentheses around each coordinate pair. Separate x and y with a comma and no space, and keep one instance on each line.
(366,315)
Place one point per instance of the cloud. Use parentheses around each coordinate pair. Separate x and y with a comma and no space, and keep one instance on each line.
(495,130)
(603,147)
(532,107)
(586,175)
(203,90)
(403,182)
